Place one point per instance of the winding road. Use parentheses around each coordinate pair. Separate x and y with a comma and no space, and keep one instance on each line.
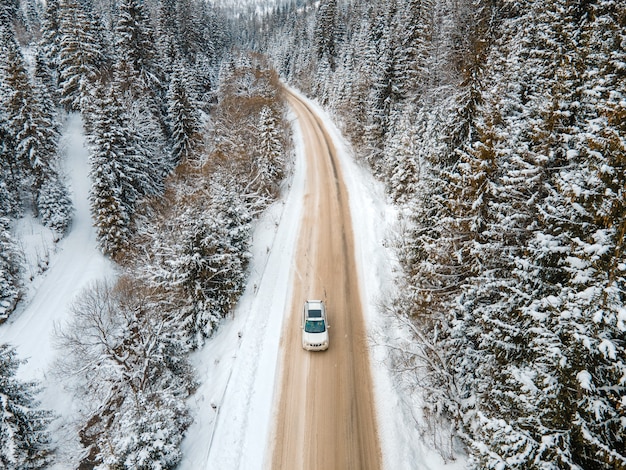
(325,414)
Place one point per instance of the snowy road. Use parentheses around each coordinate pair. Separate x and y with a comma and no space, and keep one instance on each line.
(326,413)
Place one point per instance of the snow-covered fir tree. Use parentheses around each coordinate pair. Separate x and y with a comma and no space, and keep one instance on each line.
(24,439)
(16,101)
(271,159)
(135,43)
(10,182)
(50,42)
(32,147)
(326,32)
(124,168)
(82,55)
(183,115)
(11,282)
(112,195)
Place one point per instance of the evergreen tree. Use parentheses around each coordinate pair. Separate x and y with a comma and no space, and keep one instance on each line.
(33,142)
(17,99)
(270,162)
(82,56)
(11,260)
(45,80)
(404,159)
(581,244)
(10,181)
(8,13)
(24,442)
(210,266)
(325,35)
(51,33)
(414,27)
(112,195)
(54,204)
(165,34)
(123,171)
(183,117)
(135,43)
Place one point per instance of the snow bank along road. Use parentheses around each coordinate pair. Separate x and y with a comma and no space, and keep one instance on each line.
(325,417)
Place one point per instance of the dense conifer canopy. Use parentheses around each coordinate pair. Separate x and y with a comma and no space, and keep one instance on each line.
(497,126)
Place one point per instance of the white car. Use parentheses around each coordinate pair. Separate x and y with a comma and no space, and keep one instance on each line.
(314,326)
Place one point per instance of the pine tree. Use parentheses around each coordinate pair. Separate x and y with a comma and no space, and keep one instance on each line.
(37,142)
(270,161)
(8,13)
(404,159)
(10,180)
(414,27)
(45,80)
(135,43)
(210,268)
(325,34)
(123,170)
(51,33)
(82,56)
(11,260)
(183,117)
(549,394)
(17,99)
(24,442)
(54,204)
(165,34)
(31,123)
(112,195)
(583,220)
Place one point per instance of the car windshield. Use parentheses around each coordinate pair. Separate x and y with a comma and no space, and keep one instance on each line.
(314,326)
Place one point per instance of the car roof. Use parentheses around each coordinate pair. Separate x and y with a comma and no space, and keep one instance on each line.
(315,304)
(314,309)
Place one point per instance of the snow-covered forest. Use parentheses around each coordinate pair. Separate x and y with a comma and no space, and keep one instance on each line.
(498,128)
(187,145)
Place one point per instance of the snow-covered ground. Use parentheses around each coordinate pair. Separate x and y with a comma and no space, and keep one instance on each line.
(233,407)
(73,264)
